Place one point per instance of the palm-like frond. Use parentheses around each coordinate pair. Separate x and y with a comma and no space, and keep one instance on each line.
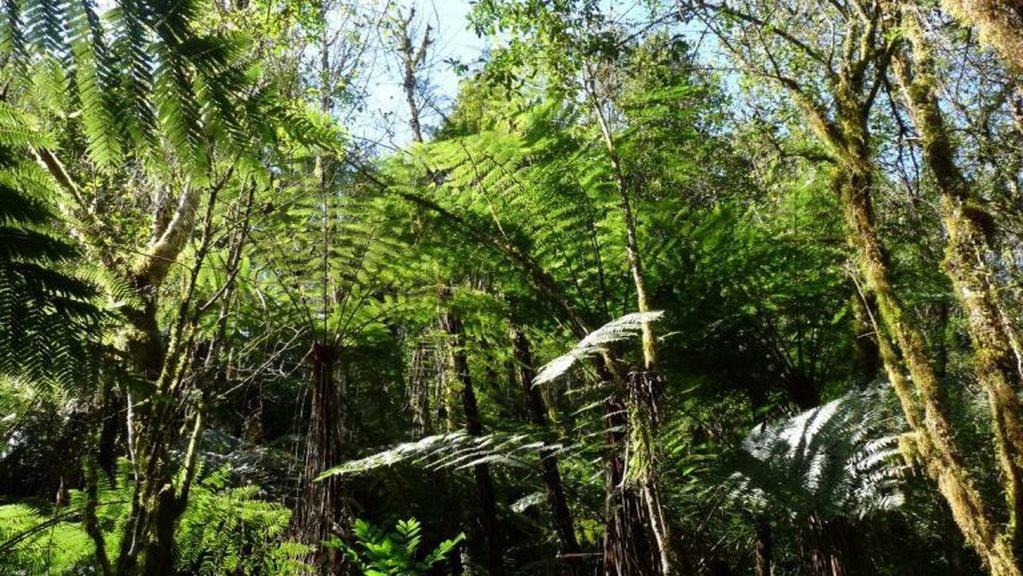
(840,459)
(141,77)
(48,323)
(595,342)
(453,450)
(533,190)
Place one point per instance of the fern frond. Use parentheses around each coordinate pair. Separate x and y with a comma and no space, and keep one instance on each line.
(95,83)
(838,459)
(594,343)
(48,322)
(454,451)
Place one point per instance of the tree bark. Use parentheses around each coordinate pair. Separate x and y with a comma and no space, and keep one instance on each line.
(548,460)
(419,392)
(321,511)
(452,324)
(412,58)
(934,436)
(845,134)
(629,549)
(967,258)
(868,358)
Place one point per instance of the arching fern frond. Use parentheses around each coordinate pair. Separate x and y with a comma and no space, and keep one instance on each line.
(595,342)
(454,451)
(48,322)
(141,77)
(840,459)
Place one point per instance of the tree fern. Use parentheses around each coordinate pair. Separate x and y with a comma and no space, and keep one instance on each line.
(521,185)
(594,343)
(840,459)
(48,323)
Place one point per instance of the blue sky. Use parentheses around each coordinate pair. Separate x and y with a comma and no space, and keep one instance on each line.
(386,116)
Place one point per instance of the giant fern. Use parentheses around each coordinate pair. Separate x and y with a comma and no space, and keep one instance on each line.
(48,323)
(838,460)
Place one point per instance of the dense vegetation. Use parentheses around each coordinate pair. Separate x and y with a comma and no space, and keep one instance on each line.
(667,289)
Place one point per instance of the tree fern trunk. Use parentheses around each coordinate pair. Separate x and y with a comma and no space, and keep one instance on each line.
(549,471)
(484,482)
(321,512)
(643,387)
(764,547)
(629,548)
(419,392)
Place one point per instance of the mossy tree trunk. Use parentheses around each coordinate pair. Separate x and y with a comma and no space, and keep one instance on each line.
(967,257)
(156,423)
(853,83)
(853,181)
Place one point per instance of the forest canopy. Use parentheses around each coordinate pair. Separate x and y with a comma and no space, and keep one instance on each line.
(510,287)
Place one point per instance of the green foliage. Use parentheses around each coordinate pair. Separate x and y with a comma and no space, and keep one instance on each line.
(171,73)
(395,552)
(48,320)
(511,218)
(230,530)
(841,459)
(43,545)
(225,530)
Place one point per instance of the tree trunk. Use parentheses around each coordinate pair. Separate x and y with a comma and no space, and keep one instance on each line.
(866,354)
(146,546)
(643,386)
(154,425)
(764,550)
(90,489)
(967,258)
(484,482)
(999,21)
(419,392)
(412,58)
(629,549)
(321,512)
(933,435)
(149,531)
(548,460)
(834,548)
(933,439)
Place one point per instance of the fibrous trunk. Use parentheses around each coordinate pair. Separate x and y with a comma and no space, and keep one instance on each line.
(321,512)
(484,482)
(548,460)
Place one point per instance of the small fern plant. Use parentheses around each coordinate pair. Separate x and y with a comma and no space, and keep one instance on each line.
(392,553)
